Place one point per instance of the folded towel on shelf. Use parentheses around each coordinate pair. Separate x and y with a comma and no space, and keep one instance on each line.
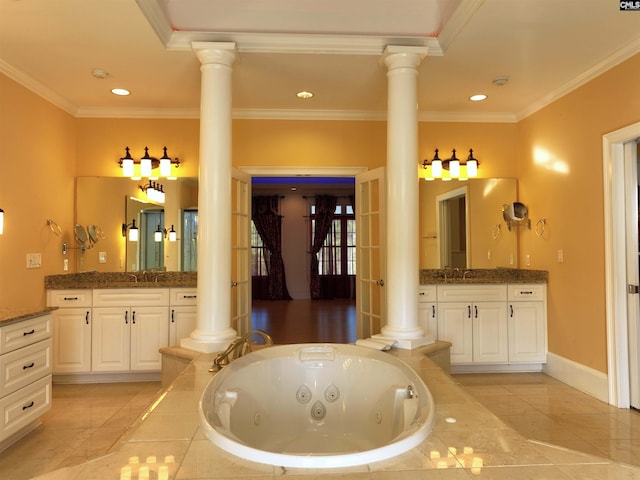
(373,343)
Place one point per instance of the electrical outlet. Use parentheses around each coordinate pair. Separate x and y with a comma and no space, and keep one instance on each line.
(527,260)
(102,257)
(511,259)
(65,264)
(560,256)
(489,254)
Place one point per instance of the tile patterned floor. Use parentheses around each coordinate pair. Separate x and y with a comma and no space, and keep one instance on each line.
(84,422)
(544,409)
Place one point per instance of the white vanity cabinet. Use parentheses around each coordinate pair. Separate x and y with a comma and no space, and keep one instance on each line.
(25,375)
(474,319)
(129,328)
(428,310)
(527,317)
(182,313)
(71,330)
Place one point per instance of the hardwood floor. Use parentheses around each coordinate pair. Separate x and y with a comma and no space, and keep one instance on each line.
(306,321)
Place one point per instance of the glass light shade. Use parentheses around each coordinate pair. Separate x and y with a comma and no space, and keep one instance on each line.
(429,179)
(145,167)
(165,167)
(454,168)
(1,221)
(127,167)
(133,234)
(172,235)
(472,168)
(436,168)
(157,236)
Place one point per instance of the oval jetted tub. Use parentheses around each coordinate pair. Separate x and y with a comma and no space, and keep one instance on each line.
(316,406)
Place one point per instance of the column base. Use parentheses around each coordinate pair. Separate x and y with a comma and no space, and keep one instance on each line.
(406,343)
(204,343)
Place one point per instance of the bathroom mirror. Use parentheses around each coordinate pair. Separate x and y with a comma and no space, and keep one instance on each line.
(102,201)
(486,240)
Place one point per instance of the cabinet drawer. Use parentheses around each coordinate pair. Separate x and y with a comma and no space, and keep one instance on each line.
(24,406)
(183,296)
(21,334)
(23,366)
(427,294)
(69,298)
(126,297)
(527,292)
(472,293)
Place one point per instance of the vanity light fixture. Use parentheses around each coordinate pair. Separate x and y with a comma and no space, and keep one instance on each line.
(161,233)
(154,191)
(147,164)
(133,230)
(1,221)
(456,169)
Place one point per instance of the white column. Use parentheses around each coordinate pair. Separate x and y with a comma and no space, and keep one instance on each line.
(213,331)
(402,248)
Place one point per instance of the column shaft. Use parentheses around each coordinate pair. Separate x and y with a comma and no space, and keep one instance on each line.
(214,330)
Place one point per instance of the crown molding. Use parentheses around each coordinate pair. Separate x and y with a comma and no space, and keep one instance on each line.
(598,69)
(36,87)
(98,112)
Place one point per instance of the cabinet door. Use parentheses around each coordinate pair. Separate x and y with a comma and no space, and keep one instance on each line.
(149,332)
(455,326)
(527,332)
(110,337)
(428,318)
(490,344)
(71,348)
(182,321)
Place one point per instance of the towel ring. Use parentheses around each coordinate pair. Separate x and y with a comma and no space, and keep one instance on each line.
(55,228)
(495,233)
(540,226)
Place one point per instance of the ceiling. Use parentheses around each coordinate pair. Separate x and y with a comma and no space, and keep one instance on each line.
(332,48)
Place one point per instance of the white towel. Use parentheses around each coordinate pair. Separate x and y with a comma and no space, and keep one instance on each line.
(375,344)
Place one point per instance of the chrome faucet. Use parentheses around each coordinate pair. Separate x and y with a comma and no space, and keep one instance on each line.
(237,348)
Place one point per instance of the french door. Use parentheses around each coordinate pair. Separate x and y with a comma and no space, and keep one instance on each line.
(370,258)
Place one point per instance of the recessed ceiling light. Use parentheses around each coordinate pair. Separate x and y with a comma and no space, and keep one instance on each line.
(304,94)
(478,98)
(120,91)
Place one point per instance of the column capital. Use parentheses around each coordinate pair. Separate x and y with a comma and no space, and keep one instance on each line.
(395,56)
(223,53)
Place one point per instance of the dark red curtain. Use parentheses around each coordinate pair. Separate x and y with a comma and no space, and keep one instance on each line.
(264,213)
(325,211)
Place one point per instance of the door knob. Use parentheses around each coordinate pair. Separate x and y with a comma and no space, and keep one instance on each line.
(380,282)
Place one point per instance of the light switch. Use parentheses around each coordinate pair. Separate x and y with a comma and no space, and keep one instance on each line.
(560,256)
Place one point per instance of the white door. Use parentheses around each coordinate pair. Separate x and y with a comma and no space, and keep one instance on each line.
(455,325)
(149,333)
(633,282)
(370,265)
(490,343)
(240,252)
(110,339)
(71,340)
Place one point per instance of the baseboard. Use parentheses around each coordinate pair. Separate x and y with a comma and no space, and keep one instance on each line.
(497,368)
(576,375)
(107,377)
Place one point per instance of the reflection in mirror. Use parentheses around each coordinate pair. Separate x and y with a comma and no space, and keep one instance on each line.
(81,235)
(99,201)
(190,240)
(453,228)
(146,253)
(488,245)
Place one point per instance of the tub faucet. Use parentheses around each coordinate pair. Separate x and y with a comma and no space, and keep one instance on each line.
(237,348)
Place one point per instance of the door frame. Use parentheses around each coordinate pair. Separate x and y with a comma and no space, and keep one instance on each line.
(613,155)
(443,221)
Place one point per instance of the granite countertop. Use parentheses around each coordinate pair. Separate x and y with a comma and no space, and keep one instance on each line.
(153,279)
(483,275)
(12,315)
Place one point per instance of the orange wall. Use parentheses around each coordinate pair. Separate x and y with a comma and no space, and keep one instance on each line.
(561,179)
(36,183)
